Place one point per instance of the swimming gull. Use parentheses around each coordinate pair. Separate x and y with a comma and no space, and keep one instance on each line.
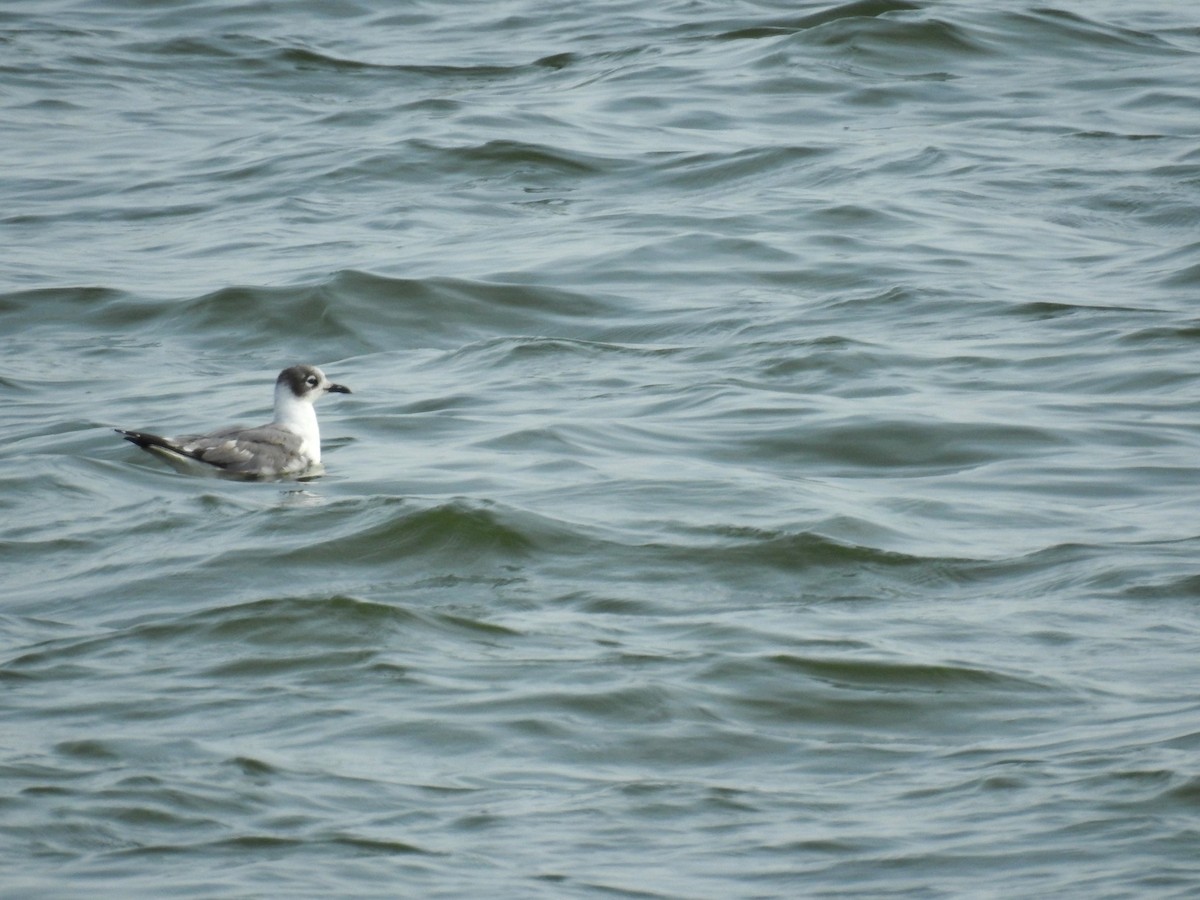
(289,445)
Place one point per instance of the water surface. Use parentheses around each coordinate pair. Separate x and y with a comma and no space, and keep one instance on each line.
(770,470)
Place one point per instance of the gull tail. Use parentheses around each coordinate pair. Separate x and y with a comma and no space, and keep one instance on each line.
(169,451)
(148,441)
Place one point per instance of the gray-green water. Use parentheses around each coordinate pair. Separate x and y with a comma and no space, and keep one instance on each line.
(771,470)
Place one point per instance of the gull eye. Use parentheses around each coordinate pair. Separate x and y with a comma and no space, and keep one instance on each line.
(311,381)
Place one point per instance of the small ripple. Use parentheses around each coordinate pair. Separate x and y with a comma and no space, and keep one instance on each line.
(895,445)
(1066,31)
(859,9)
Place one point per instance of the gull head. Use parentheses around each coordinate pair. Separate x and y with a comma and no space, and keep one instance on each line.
(306,383)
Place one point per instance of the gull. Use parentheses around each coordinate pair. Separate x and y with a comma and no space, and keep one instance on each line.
(288,445)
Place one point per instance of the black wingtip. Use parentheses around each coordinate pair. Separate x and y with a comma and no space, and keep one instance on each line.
(143,439)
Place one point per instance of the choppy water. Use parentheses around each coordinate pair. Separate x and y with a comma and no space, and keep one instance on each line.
(771,470)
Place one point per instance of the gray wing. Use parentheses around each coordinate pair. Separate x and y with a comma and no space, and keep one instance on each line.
(266,450)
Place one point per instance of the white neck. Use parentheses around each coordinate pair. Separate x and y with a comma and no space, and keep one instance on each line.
(299,417)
